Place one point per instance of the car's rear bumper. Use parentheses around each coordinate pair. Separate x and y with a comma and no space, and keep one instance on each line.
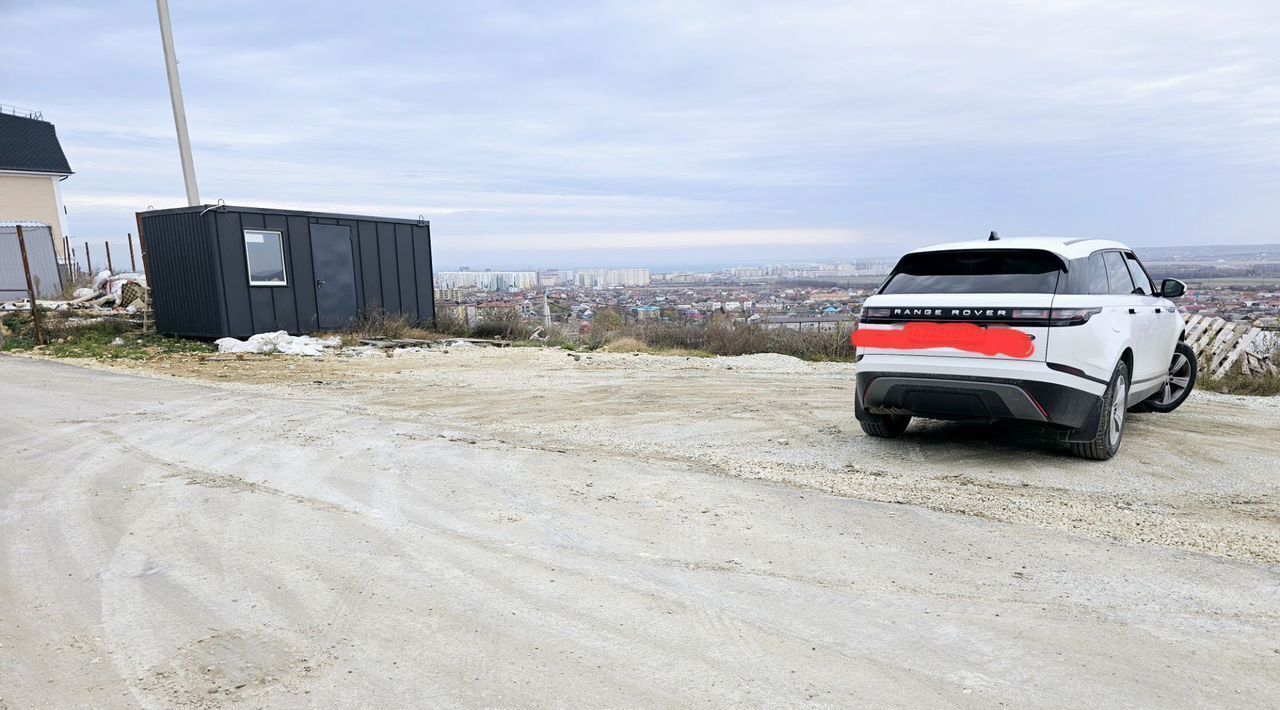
(980,397)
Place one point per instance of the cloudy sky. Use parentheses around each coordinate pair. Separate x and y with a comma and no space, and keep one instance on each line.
(669,133)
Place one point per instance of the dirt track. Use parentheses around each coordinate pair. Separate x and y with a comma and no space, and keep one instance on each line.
(1204,478)
(520,528)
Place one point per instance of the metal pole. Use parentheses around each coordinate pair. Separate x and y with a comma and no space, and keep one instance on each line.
(133,265)
(31,289)
(179,111)
(110,268)
(88,260)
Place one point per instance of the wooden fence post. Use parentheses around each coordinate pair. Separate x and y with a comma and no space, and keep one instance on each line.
(133,265)
(107,245)
(31,289)
(88,260)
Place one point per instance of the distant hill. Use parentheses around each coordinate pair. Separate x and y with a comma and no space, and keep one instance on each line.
(1212,253)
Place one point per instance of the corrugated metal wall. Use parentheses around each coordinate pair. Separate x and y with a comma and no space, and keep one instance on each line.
(392,262)
(40,255)
(182,274)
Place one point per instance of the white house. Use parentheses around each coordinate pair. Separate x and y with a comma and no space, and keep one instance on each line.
(32,168)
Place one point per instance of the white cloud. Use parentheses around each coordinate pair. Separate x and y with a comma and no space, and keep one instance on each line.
(676,117)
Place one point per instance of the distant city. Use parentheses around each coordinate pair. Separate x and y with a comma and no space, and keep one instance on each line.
(1240,283)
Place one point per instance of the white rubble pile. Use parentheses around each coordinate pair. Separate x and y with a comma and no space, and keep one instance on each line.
(106,294)
(278,342)
(25,305)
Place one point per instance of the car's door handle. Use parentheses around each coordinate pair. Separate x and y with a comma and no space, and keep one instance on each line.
(1133,311)
(1159,311)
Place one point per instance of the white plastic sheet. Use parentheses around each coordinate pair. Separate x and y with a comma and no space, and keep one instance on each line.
(278,342)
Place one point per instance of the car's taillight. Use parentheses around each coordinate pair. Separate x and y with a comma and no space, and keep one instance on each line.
(873,313)
(1031,314)
(1073,316)
(1056,316)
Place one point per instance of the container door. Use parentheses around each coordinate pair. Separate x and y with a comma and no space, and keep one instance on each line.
(335,275)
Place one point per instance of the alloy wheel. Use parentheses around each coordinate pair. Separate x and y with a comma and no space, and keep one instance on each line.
(1117,411)
(1177,381)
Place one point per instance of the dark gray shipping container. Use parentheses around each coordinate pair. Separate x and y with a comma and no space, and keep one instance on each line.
(330,270)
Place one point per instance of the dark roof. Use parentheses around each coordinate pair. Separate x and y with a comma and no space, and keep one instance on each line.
(421,222)
(30,145)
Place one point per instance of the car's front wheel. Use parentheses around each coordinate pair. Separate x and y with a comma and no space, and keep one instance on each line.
(1106,442)
(1178,383)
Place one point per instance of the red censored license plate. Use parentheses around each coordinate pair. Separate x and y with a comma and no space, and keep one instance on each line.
(961,336)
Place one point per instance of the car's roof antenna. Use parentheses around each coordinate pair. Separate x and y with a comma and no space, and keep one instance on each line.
(994,237)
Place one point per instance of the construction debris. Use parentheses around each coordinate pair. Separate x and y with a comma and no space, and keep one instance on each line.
(125,292)
(1224,345)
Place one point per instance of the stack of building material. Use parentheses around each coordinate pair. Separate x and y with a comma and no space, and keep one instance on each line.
(1223,345)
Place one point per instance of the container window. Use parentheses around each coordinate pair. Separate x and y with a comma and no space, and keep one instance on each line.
(265,252)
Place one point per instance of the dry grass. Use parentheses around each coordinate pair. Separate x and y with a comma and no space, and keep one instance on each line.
(736,339)
(1237,382)
(380,325)
(627,344)
(505,324)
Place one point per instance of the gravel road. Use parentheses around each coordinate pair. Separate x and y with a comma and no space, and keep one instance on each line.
(522,528)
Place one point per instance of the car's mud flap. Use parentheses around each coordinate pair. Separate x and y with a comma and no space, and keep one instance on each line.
(1089,429)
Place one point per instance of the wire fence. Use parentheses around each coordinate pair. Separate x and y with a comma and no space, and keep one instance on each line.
(84,258)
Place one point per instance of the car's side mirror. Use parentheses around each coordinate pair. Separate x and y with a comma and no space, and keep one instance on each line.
(1172,288)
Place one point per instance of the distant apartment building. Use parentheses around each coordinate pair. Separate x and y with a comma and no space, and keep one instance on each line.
(32,168)
(687,278)
(749,272)
(451,294)
(487,280)
(604,278)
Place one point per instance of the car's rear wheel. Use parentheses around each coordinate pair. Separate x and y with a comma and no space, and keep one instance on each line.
(885,426)
(1106,442)
(1178,383)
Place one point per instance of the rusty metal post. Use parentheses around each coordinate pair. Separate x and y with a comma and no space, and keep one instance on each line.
(142,249)
(31,289)
(107,245)
(88,260)
(149,313)
(133,265)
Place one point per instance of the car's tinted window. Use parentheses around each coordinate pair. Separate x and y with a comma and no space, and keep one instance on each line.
(1088,275)
(1096,275)
(976,271)
(1117,273)
(1139,275)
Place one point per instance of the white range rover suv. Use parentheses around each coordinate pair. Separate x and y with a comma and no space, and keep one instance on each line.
(1068,332)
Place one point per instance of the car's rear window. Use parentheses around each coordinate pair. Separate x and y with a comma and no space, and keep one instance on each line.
(976,271)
